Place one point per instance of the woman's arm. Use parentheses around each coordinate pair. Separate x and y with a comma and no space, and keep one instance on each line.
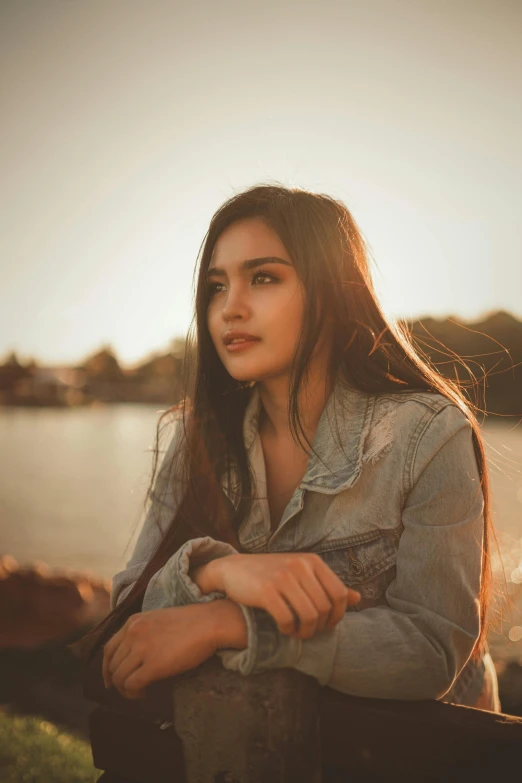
(170,585)
(297,589)
(163,643)
(230,627)
(414,647)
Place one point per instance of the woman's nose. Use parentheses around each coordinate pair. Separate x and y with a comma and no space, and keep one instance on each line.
(235,305)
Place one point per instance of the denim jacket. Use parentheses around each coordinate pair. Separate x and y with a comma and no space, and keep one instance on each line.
(391,501)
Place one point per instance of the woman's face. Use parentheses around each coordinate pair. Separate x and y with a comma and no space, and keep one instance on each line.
(256,302)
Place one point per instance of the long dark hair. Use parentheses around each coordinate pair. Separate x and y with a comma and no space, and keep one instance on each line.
(330,258)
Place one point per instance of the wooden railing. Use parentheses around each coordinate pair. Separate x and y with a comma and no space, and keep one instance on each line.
(211,725)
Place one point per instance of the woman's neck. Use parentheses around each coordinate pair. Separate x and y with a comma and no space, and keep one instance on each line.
(274,394)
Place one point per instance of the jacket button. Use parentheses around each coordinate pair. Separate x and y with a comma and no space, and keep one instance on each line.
(357,567)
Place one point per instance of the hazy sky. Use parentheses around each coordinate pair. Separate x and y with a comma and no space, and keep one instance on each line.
(126,123)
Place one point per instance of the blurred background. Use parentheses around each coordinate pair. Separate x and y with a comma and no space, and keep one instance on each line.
(126,123)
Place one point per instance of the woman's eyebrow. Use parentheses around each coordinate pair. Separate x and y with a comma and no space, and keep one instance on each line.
(250,263)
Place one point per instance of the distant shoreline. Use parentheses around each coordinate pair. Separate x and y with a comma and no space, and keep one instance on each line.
(485,358)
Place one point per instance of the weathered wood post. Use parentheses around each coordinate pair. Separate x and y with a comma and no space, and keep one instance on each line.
(258,729)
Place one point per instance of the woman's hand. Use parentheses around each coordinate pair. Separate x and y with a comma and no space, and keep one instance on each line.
(158,644)
(280,583)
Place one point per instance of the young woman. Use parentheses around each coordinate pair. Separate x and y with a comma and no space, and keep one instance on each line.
(323,501)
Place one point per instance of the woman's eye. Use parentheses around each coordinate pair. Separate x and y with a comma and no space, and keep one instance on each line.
(214,288)
(265,275)
(259,278)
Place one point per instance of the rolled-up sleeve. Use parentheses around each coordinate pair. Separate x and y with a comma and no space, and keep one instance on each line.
(171,585)
(414,646)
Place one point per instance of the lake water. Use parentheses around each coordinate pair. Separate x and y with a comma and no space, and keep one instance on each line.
(73,483)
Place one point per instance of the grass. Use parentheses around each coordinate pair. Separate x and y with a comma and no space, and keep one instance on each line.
(32,750)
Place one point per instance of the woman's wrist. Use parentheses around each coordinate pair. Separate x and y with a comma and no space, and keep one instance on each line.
(230,627)
(208,576)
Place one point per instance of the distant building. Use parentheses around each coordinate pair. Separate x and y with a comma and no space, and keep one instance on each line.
(11,373)
(50,386)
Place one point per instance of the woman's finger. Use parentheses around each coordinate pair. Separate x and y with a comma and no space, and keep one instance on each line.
(119,655)
(136,682)
(127,666)
(108,651)
(320,599)
(303,607)
(280,610)
(340,595)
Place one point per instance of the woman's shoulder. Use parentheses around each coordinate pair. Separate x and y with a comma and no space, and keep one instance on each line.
(422,399)
(413,422)
(421,406)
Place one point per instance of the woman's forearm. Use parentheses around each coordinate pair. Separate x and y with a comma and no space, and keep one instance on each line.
(230,628)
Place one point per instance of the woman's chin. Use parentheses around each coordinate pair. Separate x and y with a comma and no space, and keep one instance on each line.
(249,369)
(247,374)
(243,377)
(256,375)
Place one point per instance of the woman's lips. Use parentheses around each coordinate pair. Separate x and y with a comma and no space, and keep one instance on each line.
(242,345)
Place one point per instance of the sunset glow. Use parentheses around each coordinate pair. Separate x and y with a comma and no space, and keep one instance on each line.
(121,140)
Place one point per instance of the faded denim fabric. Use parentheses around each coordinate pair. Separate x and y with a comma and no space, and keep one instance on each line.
(391,501)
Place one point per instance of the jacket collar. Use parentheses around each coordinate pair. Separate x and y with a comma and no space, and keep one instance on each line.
(336,459)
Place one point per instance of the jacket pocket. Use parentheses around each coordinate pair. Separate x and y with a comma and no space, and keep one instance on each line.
(366,564)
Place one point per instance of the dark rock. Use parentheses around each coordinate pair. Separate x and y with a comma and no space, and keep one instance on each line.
(39,605)
(510,688)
